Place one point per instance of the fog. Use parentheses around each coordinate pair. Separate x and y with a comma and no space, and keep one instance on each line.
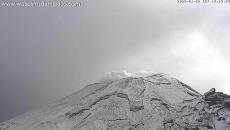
(47,53)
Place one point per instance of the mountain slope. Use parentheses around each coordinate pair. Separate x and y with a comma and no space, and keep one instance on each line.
(156,102)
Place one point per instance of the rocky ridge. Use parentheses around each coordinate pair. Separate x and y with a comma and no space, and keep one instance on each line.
(155,102)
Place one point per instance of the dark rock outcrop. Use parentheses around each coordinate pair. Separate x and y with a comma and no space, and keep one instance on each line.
(217,98)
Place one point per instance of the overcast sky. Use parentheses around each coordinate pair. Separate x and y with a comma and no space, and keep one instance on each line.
(47,53)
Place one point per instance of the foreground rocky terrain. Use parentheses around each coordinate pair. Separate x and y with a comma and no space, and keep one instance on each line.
(155,102)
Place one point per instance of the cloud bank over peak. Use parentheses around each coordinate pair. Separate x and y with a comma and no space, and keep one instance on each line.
(115,75)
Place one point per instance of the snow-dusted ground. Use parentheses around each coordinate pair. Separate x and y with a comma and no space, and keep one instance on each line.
(155,102)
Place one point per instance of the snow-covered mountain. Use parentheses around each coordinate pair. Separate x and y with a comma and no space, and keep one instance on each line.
(154,102)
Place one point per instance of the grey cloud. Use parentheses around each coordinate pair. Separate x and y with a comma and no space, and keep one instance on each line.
(48,53)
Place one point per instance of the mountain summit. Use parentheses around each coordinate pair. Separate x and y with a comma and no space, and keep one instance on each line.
(153,102)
